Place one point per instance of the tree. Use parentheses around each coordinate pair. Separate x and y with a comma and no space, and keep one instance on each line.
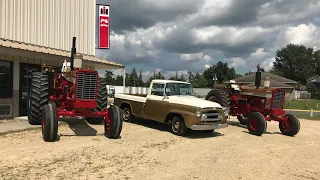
(296,62)
(119,81)
(222,71)
(197,80)
(108,76)
(140,82)
(316,56)
(182,78)
(315,92)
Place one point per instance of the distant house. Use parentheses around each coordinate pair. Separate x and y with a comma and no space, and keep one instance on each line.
(275,82)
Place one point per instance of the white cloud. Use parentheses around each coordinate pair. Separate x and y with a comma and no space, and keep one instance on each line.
(238,62)
(303,34)
(207,66)
(259,53)
(195,57)
(267,64)
(230,36)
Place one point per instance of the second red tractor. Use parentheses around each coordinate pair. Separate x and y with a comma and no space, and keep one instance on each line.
(255,106)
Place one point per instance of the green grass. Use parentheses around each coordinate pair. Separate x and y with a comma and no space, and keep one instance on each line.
(317,118)
(301,104)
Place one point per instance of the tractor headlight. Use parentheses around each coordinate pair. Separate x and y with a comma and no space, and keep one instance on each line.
(198,112)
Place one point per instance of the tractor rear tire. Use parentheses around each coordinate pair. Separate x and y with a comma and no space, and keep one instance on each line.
(256,124)
(102,102)
(218,96)
(113,130)
(38,97)
(294,126)
(49,122)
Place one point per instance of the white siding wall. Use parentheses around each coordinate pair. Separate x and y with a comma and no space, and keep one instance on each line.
(50,23)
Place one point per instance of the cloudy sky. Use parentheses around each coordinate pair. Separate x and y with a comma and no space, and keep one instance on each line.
(189,35)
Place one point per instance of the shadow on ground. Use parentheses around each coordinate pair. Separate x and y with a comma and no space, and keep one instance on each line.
(237,124)
(80,127)
(167,128)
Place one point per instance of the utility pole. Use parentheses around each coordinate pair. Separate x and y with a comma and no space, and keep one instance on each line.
(215,80)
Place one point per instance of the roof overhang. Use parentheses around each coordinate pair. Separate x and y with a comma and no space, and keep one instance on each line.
(98,62)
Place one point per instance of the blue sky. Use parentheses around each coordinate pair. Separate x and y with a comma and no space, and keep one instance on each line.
(190,35)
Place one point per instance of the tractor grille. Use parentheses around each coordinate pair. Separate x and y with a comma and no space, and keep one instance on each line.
(86,85)
(278,99)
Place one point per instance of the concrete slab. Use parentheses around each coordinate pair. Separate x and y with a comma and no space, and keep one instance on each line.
(14,125)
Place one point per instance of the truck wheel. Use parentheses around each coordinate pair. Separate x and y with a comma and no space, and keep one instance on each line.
(256,124)
(127,114)
(177,125)
(37,97)
(290,127)
(102,102)
(49,122)
(113,129)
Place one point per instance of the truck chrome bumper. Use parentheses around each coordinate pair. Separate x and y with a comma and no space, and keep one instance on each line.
(208,126)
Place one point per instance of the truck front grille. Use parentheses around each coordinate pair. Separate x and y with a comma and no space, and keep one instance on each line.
(278,98)
(86,85)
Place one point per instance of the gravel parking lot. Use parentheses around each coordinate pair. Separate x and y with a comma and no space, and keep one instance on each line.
(147,150)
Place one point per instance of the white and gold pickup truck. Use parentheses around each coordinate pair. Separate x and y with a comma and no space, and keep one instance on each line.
(174,102)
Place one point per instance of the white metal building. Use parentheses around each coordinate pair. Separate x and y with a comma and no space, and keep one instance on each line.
(35,32)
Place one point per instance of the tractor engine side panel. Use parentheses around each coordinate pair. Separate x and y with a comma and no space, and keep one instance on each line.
(85,90)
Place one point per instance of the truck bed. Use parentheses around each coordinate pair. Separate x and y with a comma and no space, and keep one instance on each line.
(136,102)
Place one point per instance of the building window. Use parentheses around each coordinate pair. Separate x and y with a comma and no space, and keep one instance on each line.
(6,79)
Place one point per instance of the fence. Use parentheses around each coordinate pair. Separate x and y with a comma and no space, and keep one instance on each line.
(200,92)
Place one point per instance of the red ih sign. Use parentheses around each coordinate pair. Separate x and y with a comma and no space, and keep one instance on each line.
(104,41)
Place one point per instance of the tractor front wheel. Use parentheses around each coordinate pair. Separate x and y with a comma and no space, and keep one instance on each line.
(49,122)
(256,123)
(112,129)
(291,126)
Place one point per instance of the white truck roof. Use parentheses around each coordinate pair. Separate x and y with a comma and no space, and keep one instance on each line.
(168,81)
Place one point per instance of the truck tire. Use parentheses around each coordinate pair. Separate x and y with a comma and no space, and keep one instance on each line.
(293,125)
(49,122)
(127,114)
(113,129)
(37,97)
(256,124)
(178,126)
(102,102)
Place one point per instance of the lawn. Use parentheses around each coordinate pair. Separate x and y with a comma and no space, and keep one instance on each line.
(308,117)
(301,104)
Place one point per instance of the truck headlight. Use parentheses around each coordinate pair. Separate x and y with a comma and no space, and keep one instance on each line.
(226,111)
(198,112)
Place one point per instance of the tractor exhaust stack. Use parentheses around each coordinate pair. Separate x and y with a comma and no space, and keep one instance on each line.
(73,51)
(258,77)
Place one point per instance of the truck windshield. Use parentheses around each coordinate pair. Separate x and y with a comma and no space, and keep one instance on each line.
(174,89)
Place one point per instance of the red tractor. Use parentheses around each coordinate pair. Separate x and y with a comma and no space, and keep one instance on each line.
(70,93)
(255,106)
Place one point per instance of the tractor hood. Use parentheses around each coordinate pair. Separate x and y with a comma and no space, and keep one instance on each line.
(192,101)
